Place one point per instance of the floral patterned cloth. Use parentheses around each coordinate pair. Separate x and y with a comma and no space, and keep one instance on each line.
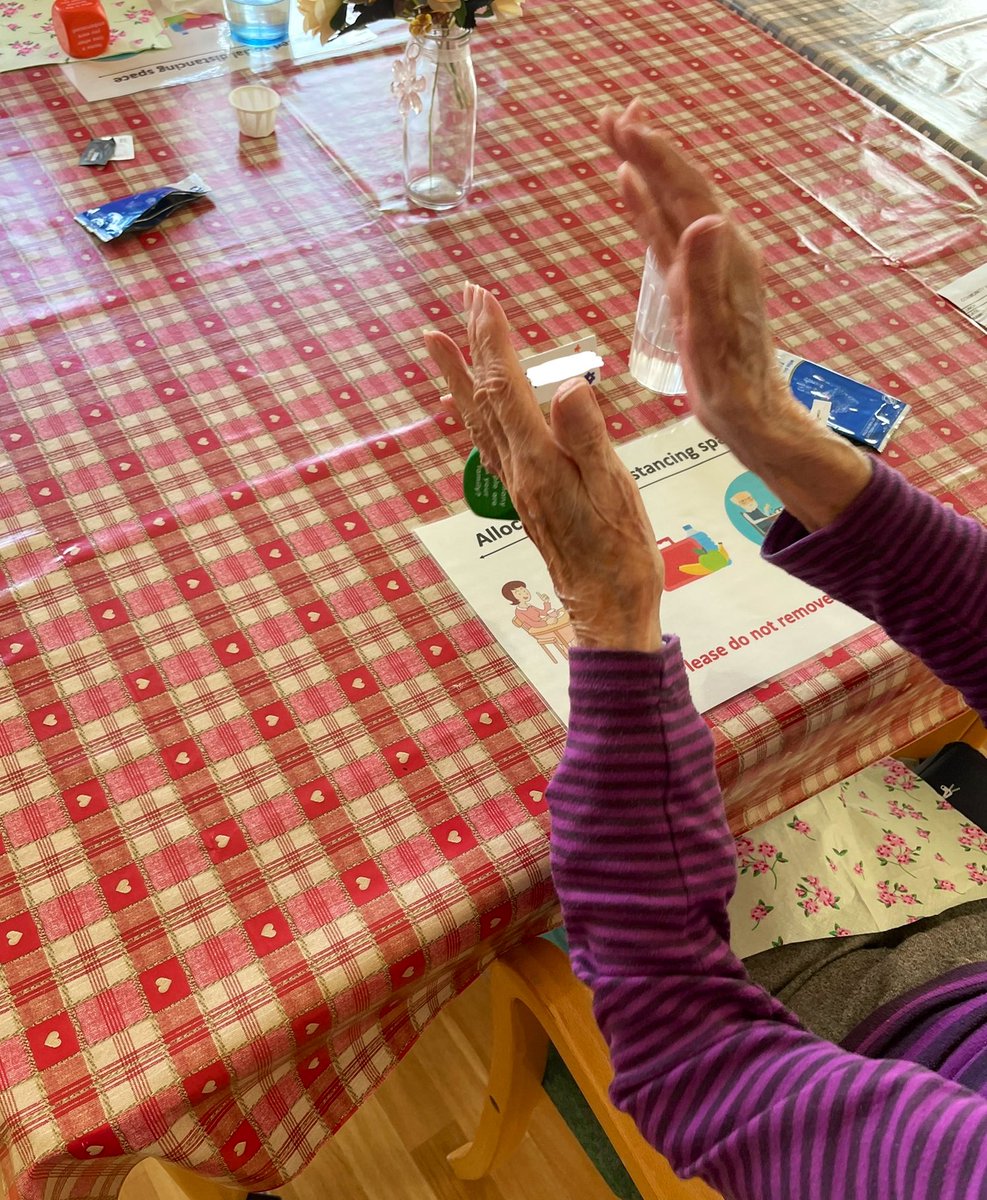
(879,850)
(28,39)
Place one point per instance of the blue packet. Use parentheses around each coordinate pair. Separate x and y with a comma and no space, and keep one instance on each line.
(858,412)
(141,211)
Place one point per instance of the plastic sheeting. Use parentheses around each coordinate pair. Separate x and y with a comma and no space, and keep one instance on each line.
(925,62)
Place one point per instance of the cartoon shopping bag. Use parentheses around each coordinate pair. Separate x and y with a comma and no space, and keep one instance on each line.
(691,558)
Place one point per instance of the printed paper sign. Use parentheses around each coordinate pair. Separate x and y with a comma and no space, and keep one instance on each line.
(740,620)
(199,47)
(969,293)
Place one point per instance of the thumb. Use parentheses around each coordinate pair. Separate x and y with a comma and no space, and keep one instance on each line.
(704,252)
(578,424)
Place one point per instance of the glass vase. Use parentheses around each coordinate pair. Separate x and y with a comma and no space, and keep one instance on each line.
(436,90)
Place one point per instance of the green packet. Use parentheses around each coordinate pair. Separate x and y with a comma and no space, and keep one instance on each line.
(484,492)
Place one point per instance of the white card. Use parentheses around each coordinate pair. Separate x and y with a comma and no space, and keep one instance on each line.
(969,294)
(124,147)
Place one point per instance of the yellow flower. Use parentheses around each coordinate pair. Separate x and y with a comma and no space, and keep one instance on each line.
(505,9)
(420,24)
(317,15)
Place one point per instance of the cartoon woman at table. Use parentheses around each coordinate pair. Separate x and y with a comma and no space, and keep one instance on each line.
(547,625)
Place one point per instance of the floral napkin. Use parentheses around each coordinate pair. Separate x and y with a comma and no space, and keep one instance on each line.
(879,850)
(27,39)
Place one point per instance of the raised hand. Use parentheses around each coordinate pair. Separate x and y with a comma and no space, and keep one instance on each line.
(575,498)
(713,275)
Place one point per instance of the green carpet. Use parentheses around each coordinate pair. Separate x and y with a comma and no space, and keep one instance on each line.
(577,1114)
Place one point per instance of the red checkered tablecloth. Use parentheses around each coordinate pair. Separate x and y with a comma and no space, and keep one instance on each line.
(271,794)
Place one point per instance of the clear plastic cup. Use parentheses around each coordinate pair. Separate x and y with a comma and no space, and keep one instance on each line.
(654,360)
(258,22)
(256,109)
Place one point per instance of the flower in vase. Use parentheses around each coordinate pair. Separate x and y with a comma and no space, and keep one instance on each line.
(420,24)
(317,17)
(329,17)
(407,85)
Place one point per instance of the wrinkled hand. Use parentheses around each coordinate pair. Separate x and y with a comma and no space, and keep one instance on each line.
(713,276)
(575,498)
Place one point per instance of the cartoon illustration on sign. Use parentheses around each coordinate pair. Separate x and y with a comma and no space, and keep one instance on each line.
(547,625)
(752,509)
(691,557)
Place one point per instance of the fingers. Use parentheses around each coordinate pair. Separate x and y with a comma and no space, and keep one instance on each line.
(502,396)
(704,252)
(494,398)
(647,218)
(459,379)
(579,427)
(451,363)
(674,193)
(722,289)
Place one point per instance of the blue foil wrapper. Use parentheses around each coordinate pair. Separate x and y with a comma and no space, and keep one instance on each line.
(861,413)
(141,211)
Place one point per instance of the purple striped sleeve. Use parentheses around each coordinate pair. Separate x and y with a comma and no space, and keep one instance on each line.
(718,1076)
(916,567)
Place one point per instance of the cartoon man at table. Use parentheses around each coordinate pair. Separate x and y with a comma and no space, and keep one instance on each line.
(548,626)
(760,519)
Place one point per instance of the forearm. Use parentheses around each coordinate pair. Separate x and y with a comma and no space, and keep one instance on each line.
(916,567)
(717,1075)
(815,474)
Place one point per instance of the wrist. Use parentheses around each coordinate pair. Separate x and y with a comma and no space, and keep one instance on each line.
(815,473)
(637,633)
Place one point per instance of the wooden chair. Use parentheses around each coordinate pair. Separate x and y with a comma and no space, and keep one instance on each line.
(536,999)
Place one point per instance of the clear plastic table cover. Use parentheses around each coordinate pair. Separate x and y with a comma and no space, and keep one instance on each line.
(923,60)
(270,794)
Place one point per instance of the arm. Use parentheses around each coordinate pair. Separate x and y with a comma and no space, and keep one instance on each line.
(918,568)
(717,1075)
(932,605)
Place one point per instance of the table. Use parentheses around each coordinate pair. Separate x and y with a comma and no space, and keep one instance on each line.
(271,794)
(923,60)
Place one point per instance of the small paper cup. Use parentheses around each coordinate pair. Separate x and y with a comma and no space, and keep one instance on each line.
(256,109)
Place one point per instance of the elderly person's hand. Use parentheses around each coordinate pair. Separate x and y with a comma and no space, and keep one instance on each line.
(713,276)
(575,498)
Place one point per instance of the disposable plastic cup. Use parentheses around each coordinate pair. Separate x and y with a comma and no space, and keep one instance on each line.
(654,360)
(256,109)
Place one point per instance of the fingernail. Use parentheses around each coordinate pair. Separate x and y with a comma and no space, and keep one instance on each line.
(570,386)
(445,398)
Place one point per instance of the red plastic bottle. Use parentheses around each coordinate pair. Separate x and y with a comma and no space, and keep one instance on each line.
(81,27)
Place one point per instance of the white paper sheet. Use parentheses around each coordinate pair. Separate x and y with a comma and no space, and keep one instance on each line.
(201,48)
(740,624)
(969,294)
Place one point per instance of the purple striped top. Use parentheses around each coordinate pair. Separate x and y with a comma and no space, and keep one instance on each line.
(718,1075)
